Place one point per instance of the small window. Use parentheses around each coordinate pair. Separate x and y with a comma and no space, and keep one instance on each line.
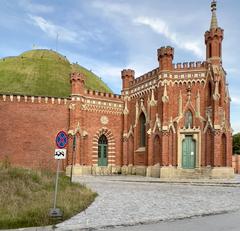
(142,121)
(210,50)
(188,119)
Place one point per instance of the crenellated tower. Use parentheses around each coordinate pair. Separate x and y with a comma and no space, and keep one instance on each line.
(165,58)
(77,82)
(127,77)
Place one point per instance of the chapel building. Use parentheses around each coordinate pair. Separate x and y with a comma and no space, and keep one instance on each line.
(173,121)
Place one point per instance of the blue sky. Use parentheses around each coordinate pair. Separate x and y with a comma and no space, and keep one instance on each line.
(107,36)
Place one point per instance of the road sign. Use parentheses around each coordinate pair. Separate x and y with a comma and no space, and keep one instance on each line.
(60,154)
(61,139)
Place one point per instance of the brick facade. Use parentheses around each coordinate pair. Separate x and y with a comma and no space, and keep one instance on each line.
(173,121)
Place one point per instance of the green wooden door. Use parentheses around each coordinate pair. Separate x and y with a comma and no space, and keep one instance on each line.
(188,152)
(102,151)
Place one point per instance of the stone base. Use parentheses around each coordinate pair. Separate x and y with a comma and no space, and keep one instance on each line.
(222,173)
(153,171)
(141,170)
(80,170)
(168,172)
(198,173)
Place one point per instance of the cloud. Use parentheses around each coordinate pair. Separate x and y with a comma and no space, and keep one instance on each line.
(161,27)
(53,30)
(112,8)
(36,7)
(235,100)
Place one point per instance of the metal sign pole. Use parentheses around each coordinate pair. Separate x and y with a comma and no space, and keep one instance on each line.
(56,212)
(56,186)
(60,153)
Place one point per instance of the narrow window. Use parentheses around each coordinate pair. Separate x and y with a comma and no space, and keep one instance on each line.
(220,50)
(210,50)
(188,119)
(209,101)
(142,129)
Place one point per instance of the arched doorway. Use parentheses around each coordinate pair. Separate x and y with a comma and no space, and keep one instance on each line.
(189,152)
(102,151)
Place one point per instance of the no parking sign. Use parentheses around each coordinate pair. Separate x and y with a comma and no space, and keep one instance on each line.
(61,139)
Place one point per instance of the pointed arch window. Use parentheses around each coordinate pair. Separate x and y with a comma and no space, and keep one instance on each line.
(188,119)
(142,130)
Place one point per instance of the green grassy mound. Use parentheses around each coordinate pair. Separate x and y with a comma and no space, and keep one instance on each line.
(43,73)
(26,197)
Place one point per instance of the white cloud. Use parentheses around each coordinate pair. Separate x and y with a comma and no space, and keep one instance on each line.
(235,100)
(36,7)
(161,27)
(53,30)
(112,8)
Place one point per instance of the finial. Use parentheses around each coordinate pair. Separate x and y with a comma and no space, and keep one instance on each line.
(214,22)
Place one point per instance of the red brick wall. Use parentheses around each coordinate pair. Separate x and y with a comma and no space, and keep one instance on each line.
(28,131)
(236,163)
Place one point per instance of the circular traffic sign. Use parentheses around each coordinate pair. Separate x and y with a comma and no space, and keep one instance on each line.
(61,139)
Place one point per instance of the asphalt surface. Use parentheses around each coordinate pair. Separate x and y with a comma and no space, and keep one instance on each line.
(222,222)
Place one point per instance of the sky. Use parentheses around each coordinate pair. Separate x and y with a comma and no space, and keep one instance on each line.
(107,36)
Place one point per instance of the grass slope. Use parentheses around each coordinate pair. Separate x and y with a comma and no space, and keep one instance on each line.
(43,73)
(26,197)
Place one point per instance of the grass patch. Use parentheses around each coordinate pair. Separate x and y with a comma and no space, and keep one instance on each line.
(43,73)
(26,197)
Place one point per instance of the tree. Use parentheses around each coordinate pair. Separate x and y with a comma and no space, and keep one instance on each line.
(236,143)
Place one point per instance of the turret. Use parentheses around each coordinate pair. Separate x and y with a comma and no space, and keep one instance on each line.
(77,82)
(127,77)
(165,58)
(213,38)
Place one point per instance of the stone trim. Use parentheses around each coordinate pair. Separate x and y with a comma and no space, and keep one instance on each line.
(196,133)
(111,145)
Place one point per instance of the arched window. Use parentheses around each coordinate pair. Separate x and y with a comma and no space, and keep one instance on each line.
(102,151)
(102,140)
(142,130)
(188,119)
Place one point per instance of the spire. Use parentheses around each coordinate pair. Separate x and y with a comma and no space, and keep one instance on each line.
(214,22)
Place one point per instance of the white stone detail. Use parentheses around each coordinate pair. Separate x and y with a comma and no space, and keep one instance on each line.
(104,120)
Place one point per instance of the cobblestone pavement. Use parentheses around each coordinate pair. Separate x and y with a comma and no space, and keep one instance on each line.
(137,200)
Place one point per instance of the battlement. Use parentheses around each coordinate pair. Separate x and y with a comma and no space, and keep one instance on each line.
(165,51)
(146,76)
(32,99)
(127,72)
(189,65)
(76,76)
(102,94)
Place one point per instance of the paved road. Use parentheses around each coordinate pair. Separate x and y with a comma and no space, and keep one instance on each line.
(134,202)
(223,222)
